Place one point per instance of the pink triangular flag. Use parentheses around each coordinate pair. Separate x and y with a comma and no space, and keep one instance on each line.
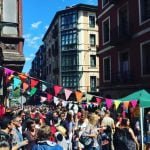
(98,100)
(8,71)
(67,93)
(57,89)
(49,97)
(134,103)
(108,102)
(43,99)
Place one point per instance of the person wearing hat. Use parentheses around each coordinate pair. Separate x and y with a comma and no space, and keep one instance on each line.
(61,140)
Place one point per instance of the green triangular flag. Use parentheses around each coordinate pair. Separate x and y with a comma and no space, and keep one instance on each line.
(33,91)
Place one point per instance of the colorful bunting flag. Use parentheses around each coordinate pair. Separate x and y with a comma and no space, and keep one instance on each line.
(56,100)
(89,97)
(117,103)
(25,86)
(78,96)
(22,77)
(134,103)
(57,89)
(33,91)
(44,87)
(8,72)
(17,82)
(108,103)
(43,99)
(98,100)
(49,97)
(125,105)
(67,93)
(34,83)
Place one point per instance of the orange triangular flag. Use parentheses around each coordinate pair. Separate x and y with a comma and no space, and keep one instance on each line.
(125,105)
(25,86)
(78,96)
(22,77)
(34,83)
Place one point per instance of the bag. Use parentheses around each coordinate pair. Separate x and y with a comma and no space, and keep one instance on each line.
(86,141)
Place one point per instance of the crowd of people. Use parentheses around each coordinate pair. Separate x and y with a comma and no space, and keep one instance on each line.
(60,128)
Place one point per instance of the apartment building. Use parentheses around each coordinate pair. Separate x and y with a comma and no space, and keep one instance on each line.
(38,69)
(11,40)
(124,46)
(71,42)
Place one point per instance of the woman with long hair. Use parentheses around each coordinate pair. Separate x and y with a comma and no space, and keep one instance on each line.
(129,140)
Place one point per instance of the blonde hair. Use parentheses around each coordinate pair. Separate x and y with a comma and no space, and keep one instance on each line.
(93,118)
(43,133)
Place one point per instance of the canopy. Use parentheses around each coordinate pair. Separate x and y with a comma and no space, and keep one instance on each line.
(142,95)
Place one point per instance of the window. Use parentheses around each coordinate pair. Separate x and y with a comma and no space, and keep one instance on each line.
(69,62)
(91,21)
(106,69)
(104,2)
(106,31)
(69,20)
(93,83)
(124,62)
(49,52)
(145,9)
(123,21)
(70,80)
(145,59)
(93,61)
(49,68)
(92,40)
(69,40)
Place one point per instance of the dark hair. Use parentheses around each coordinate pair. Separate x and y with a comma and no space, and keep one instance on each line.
(5,122)
(59,137)
(124,121)
(20,112)
(29,123)
(37,120)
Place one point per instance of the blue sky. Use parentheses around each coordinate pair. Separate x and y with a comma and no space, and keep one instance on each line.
(37,16)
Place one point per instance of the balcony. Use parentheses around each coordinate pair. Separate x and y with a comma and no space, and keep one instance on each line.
(113,1)
(120,35)
(122,77)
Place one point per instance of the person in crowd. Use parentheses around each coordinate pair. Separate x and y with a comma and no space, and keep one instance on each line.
(5,131)
(6,141)
(43,142)
(91,131)
(37,123)
(61,140)
(131,141)
(22,115)
(17,135)
(30,134)
(109,122)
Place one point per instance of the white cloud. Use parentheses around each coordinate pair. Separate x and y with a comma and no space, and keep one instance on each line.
(32,55)
(32,41)
(46,27)
(35,25)
(28,58)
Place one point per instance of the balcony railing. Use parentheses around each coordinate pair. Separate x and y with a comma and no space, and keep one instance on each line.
(120,35)
(122,77)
